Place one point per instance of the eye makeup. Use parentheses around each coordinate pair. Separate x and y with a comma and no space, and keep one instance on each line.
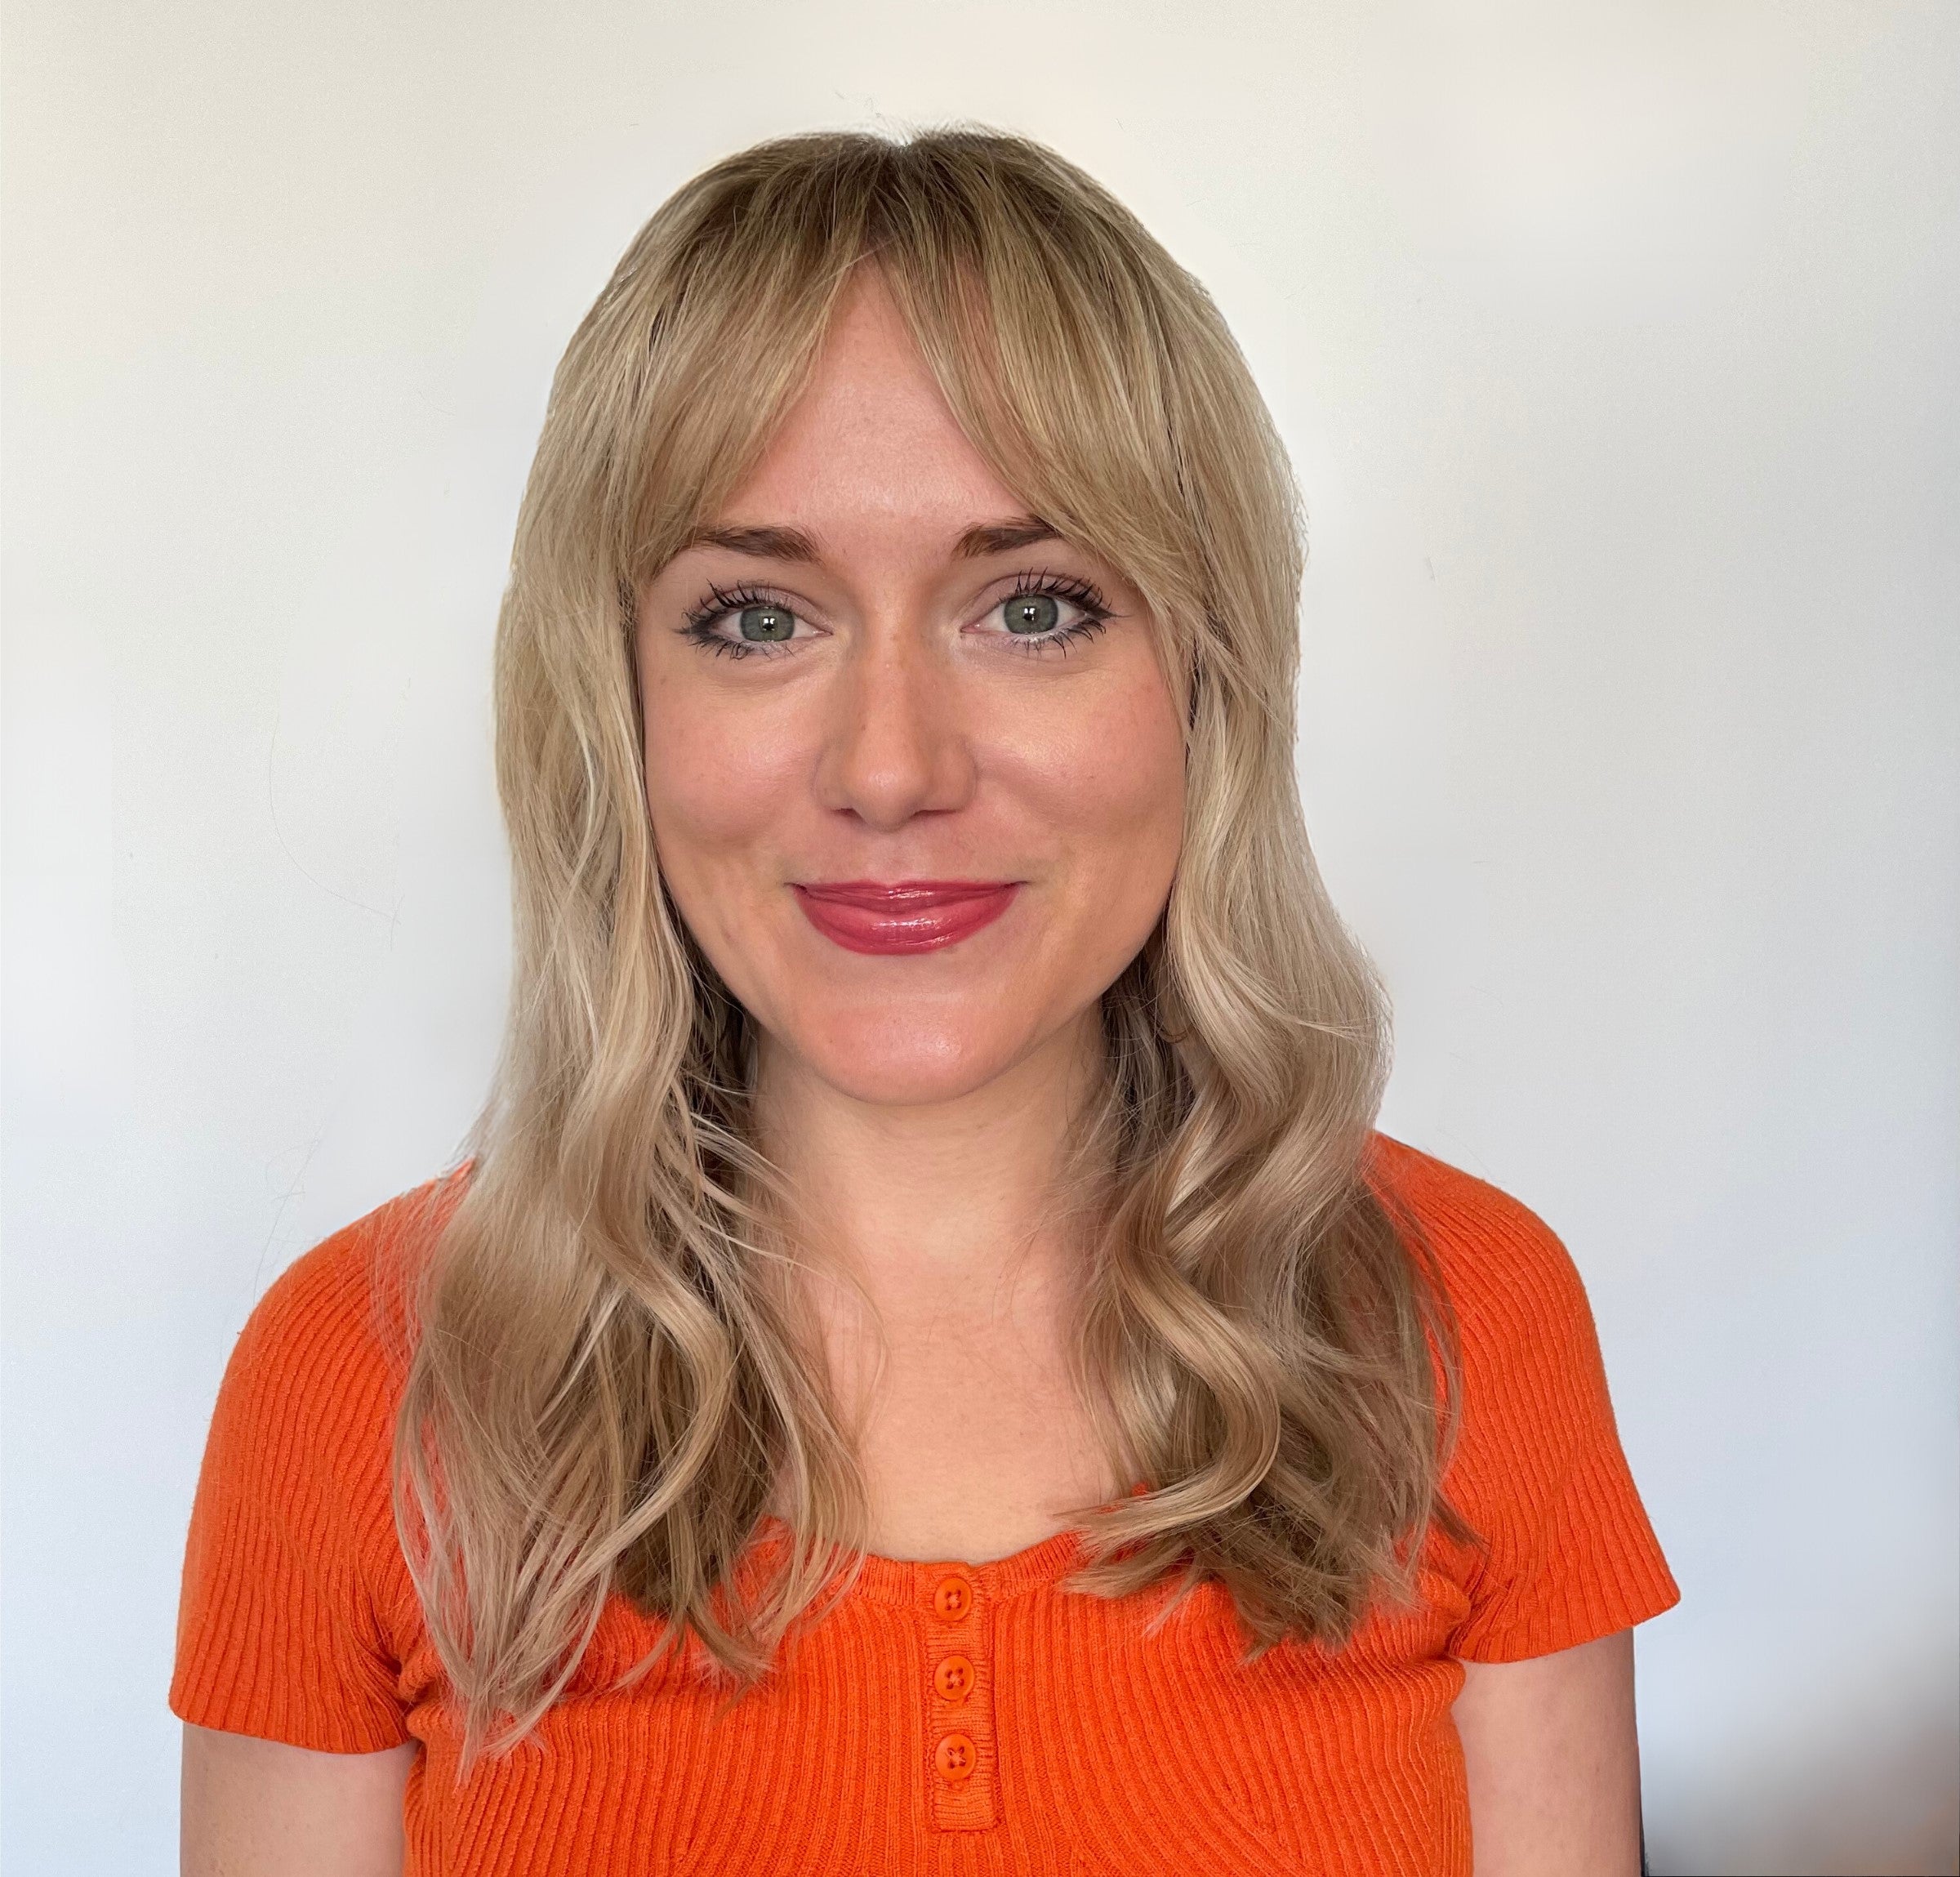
(722,603)
(1059,589)
(764,620)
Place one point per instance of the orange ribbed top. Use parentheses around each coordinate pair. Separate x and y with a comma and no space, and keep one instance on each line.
(947,1718)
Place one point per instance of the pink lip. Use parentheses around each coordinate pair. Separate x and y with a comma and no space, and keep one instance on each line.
(882,916)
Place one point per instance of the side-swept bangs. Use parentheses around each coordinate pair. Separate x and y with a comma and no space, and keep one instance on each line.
(1094,375)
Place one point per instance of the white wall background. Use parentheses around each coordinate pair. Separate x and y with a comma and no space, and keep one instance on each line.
(1617,349)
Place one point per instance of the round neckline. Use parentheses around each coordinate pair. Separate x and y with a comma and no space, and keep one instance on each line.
(907,1582)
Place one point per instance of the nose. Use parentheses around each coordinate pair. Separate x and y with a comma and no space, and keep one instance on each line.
(896,745)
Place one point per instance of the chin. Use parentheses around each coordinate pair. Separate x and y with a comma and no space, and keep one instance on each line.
(897,1057)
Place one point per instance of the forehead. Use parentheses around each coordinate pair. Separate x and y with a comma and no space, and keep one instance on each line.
(870,439)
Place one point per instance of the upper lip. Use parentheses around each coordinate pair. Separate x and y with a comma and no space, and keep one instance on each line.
(893,893)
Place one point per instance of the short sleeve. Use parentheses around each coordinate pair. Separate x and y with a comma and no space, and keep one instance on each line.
(1569,1553)
(281,1631)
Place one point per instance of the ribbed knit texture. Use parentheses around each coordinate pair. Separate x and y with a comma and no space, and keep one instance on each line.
(957,1719)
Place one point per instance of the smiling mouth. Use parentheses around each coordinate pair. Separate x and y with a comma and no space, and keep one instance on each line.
(902,916)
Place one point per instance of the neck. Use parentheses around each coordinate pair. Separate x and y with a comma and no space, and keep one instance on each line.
(930,1206)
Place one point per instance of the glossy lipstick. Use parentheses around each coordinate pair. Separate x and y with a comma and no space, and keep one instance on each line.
(901,915)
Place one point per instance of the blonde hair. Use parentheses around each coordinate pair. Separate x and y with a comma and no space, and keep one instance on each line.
(607,1385)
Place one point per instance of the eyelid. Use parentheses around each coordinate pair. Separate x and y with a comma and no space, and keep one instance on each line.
(1083,595)
(1045,579)
(719,599)
(699,625)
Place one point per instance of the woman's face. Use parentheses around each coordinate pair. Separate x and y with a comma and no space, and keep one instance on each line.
(916,778)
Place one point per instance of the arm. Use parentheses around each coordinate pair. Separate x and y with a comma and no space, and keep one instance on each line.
(1553,1762)
(260,1808)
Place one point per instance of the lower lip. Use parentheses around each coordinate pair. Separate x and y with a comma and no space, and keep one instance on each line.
(923,919)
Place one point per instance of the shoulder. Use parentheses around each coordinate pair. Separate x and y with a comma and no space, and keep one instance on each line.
(1505,1272)
(1535,1403)
(296,1608)
(321,1360)
(1533,1381)
(1564,1551)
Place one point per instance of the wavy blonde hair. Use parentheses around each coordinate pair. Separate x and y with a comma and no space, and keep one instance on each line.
(609,1383)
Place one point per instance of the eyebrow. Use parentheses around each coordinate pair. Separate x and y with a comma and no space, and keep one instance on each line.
(766,543)
(1004,537)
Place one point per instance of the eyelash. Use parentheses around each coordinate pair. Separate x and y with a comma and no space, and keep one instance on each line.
(721,601)
(1085,598)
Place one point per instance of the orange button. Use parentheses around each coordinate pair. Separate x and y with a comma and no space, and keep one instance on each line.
(954,1678)
(956,1758)
(952,1598)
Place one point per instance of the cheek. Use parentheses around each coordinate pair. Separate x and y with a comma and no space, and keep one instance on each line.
(1110,783)
(716,779)
(721,786)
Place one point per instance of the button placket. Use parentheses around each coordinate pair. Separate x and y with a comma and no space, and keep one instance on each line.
(959,1698)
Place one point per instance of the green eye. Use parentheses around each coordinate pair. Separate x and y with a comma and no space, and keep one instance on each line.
(1032,613)
(767,622)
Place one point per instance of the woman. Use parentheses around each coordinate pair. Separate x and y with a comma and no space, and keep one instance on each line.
(927,1367)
